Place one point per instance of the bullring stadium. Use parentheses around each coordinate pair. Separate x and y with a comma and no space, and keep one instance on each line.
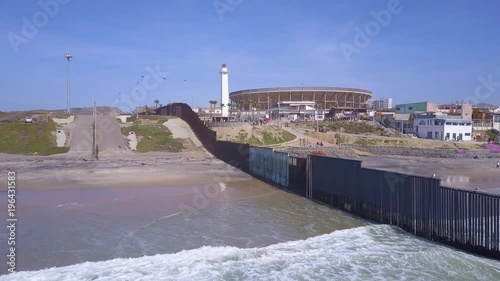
(325,97)
(302,100)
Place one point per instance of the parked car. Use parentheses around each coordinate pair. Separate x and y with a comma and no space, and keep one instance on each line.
(28,120)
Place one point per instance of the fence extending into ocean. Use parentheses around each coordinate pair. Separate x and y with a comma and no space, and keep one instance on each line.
(467,220)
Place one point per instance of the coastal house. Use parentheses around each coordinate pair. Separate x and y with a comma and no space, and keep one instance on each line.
(405,114)
(442,127)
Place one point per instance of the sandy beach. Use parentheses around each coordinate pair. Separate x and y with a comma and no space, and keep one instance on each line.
(123,169)
(195,167)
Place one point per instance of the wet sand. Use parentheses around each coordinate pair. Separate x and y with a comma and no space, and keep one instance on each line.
(127,169)
(116,170)
(457,173)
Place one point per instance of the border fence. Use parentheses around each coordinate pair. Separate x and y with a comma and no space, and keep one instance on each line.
(468,220)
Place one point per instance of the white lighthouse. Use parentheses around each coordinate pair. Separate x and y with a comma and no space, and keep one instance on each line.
(224,92)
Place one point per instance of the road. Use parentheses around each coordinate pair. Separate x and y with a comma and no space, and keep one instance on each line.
(109,136)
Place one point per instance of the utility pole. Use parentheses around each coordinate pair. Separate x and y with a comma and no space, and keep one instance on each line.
(94,133)
(316,117)
(269,107)
(68,56)
(402,120)
(279,116)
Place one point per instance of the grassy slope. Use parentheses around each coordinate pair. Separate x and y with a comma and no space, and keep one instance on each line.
(266,135)
(155,136)
(19,138)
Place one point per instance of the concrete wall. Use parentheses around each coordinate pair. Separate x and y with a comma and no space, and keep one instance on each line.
(64,121)
(386,119)
(123,118)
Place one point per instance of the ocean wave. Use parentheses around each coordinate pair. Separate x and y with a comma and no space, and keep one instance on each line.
(375,252)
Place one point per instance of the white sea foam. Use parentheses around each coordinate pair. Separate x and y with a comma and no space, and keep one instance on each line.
(71,205)
(374,252)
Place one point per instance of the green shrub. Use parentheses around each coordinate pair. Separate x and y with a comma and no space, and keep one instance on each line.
(154,138)
(20,138)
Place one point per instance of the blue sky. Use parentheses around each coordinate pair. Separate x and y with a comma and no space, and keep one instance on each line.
(428,50)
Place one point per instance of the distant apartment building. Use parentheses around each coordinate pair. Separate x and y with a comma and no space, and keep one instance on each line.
(482,114)
(496,122)
(416,107)
(482,119)
(382,103)
(464,110)
(441,127)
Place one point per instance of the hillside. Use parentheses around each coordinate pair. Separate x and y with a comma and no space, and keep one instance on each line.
(152,135)
(253,135)
(104,110)
(20,138)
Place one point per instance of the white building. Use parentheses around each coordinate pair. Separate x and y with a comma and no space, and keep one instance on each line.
(208,110)
(382,103)
(293,110)
(496,122)
(442,127)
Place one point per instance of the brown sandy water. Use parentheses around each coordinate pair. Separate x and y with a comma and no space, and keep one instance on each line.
(243,231)
(64,227)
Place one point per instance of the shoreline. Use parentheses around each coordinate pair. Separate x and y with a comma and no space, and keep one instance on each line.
(130,170)
(197,167)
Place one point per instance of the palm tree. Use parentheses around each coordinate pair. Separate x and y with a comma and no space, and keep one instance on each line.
(156,102)
(212,105)
(257,107)
(239,106)
(252,104)
(230,108)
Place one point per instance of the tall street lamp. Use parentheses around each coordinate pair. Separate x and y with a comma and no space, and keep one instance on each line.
(68,56)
